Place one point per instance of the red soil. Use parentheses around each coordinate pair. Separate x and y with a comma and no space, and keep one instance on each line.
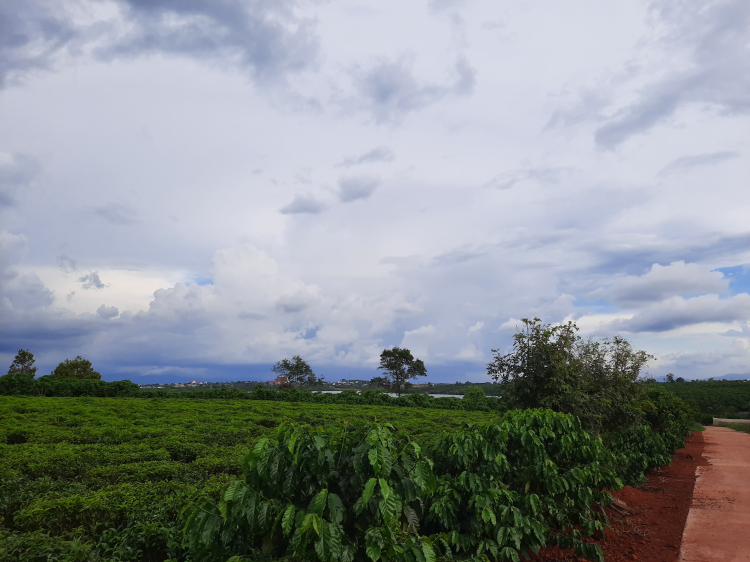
(651,528)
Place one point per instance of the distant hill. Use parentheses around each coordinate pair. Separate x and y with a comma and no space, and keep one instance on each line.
(733,377)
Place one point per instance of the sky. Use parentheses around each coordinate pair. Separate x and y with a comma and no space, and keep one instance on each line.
(198,189)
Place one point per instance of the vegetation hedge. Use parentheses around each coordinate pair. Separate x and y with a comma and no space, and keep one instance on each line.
(533,478)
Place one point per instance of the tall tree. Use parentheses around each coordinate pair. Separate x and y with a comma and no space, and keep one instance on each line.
(297,372)
(78,368)
(23,364)
(552,367)
(400,366)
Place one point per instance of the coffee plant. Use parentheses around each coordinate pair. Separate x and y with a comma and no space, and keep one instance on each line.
(325,495)
(497,490)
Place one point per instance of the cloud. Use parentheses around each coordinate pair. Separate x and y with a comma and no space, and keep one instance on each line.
(469,353)
(390,90)
(303,204)
(476,327)
(377,154)
(117,213)
(541,174)
(357,187)
(717,76)
(661,282)
(16,171)
(418,341)
(92,281)
(689,162)
(677,312)
(66,264)
(26,292)
(265,39)
(457,256)
(107,311)
(32,34)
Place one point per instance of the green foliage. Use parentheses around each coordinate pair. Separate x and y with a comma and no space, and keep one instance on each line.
(651,444)
(399,366)
(353,493)
(515,486)
(297,372)
(78,368)
(23,364)
(718,398)
(552,367)
(348,397)
(48,385)
(328,495)
(106,478)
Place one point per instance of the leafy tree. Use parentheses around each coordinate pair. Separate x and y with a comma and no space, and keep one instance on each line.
(553,367)
(400,366)
(679,379)
(23,364)
(78,368)
(669,377)
(297,372)
(542,365)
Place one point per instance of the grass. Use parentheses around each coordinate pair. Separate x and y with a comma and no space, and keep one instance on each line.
(695,426)
(738,427)
(106,478)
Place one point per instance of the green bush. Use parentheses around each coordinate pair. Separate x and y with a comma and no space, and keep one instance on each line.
(355,493)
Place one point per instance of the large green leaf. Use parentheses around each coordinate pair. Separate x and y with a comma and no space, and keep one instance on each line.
(287,522)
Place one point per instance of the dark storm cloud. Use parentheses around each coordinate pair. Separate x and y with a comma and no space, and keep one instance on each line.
(719,74)
(636,259)
(117,213)
(689,162)
(15,175)
(31,35)
(302,204)
(377,154)
(358,187)
(390,90)
(662,282)
(264,37)
(677,312)
(92,281)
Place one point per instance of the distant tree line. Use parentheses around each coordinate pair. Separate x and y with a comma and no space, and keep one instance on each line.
(72,377)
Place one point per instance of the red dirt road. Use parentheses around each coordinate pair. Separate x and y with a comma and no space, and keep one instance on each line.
(718,525)
(650,530)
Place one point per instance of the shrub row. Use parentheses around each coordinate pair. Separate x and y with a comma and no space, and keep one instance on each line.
(24,385)
(498,490)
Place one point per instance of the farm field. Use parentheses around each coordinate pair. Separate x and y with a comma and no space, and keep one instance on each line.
(718,398)
(106,478)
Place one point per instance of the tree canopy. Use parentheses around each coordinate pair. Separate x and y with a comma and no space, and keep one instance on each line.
(78,368)
(297,371)
(553,367)
(400,366)
(23,364)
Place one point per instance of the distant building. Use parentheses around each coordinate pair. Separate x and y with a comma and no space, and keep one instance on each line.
(280,381)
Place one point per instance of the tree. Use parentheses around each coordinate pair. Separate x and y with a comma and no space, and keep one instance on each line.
(78,368)
(297,372)
(669,377)
(541,366)
(679,379)
(553,367)
(400,366)
(22,364)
